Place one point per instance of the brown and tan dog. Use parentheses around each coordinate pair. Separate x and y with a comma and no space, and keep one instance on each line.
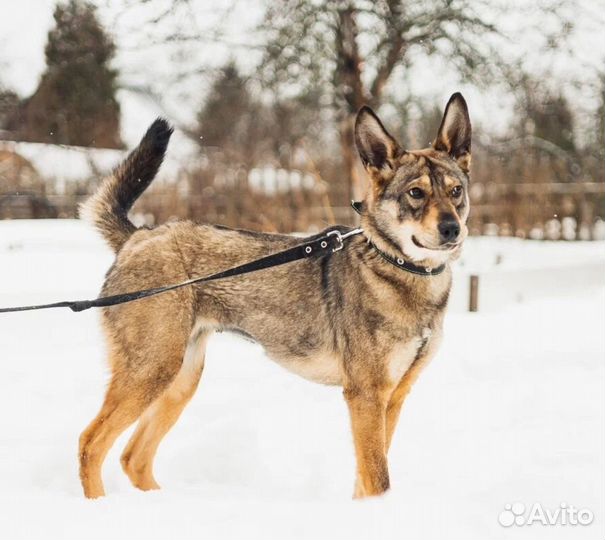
(350,318)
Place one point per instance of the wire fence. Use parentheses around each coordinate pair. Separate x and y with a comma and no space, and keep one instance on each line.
(537,194)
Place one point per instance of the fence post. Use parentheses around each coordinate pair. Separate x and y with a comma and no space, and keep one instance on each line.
(473,301)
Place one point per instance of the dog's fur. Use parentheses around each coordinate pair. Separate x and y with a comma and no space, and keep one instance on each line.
(346,318)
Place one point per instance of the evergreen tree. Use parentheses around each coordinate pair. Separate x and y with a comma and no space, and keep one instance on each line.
(75,101)
(545,114)
(9,102)
(554,122)
(225,115)
(247,132)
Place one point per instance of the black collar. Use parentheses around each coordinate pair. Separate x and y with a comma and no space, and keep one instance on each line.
(400,262)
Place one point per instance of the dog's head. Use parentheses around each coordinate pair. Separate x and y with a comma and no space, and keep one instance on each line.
(418,200)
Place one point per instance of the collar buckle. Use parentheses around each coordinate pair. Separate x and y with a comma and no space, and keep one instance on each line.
(338,236)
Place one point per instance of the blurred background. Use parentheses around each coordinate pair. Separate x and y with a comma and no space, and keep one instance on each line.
(264,94)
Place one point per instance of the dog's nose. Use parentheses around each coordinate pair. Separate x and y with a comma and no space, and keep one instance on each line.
(449,229)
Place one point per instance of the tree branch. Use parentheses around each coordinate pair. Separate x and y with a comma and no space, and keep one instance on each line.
(396,23)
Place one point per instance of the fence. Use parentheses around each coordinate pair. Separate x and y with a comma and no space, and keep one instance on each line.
(543,200)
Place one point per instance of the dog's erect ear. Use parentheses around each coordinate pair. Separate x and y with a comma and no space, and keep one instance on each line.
(454,135)
(376,147)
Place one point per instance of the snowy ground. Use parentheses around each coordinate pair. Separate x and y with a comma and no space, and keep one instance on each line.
(511,410)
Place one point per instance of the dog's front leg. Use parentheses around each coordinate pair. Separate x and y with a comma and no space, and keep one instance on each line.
(368,414)
(398,396)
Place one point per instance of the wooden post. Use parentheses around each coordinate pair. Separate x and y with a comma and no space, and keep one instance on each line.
(473,302)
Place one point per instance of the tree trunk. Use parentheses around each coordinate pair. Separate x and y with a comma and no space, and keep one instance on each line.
(350,164)
(348,79)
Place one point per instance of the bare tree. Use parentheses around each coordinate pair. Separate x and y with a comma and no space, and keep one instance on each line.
(353,48)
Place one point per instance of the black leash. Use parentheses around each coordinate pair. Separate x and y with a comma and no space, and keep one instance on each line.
(332,241)
(400,262)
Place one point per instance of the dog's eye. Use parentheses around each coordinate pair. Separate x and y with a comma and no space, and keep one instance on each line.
(416,193)
(457,191)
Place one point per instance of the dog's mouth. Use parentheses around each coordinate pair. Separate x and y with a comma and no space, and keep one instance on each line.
(444,247)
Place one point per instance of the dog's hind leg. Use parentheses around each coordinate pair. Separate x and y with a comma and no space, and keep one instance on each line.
(120,409)
(126,399)
(137,458)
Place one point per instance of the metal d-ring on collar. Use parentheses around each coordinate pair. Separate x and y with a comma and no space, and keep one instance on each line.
(400,262)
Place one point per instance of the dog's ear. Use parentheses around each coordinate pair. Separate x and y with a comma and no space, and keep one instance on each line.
(454,136)
(377,149)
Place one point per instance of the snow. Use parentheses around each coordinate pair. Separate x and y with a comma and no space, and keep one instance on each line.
(512,270)
(510,410)
(63,163)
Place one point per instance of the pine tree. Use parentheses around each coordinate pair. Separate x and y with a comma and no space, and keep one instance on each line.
(224,117)
(545,113)
(9,103)
(243,131)
(75,101)
(554,122)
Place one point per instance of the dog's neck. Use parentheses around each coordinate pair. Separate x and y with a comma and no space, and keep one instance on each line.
(389,246)
(415,290)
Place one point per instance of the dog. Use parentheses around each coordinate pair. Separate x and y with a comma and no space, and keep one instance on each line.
(351,317)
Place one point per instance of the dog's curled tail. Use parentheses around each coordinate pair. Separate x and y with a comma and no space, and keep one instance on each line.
(108,208)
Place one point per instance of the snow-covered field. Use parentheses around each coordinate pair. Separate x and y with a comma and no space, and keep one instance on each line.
(511,410)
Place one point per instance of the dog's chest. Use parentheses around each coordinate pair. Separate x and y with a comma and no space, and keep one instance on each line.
(404,353)
(321,367)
